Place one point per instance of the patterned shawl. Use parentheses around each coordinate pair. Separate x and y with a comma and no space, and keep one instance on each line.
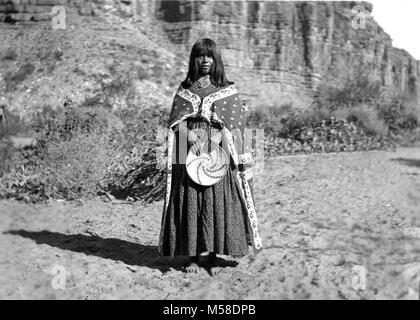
(222,106)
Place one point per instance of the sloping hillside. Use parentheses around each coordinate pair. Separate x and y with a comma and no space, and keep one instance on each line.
(107,59)
(277,52)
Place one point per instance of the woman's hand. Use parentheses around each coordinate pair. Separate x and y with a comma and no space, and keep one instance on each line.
(192,137)
(216,137)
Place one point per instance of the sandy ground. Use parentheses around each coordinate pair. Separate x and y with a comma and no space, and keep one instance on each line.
(334,226)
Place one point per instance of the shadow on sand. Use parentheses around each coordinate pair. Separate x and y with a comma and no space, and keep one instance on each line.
(130,253)
(408,162)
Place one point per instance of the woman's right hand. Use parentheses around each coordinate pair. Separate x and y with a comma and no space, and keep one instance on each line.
(192,137)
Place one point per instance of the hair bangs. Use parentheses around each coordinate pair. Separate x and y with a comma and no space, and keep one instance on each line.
(205,47)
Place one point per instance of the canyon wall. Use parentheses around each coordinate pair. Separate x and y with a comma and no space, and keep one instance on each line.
(38,10)
(293,46)
(273,50)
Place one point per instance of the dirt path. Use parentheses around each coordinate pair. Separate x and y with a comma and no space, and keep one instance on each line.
(325,220)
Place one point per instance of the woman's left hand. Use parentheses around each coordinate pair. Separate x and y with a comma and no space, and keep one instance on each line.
(216,138)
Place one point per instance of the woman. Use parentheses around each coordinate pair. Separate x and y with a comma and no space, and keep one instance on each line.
(221,218)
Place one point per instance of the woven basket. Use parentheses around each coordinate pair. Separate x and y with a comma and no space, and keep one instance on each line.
(206,163)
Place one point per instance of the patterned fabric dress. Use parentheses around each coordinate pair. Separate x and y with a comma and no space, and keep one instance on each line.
(204,218)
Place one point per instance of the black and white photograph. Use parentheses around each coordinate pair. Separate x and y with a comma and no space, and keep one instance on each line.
(209,150)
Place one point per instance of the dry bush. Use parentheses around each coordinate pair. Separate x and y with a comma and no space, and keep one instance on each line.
(376,109)
(7,153)
(115,90)
(77,166)
(400,113)
(82,152)
(70,159)
(71,169)
(140,174)
(9,54)
(360,90)
(342,118)
(142,73)
(12,79)
(278,121)
(9,126)
(364,116)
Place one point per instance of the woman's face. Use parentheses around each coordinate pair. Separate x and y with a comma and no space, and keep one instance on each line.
(204,63)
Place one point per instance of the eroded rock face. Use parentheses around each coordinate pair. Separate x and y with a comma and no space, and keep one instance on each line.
(294,44)
(287,47)
(27,10)
(12,11)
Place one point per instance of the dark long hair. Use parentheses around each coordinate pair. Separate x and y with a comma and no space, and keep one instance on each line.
(217,71)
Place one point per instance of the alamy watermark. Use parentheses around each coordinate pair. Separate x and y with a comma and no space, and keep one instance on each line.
(358,277)
(58,17)
(58,282)
(250,141)
(360,16)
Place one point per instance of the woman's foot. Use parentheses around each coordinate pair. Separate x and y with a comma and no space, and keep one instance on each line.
(192,265)
(214,269)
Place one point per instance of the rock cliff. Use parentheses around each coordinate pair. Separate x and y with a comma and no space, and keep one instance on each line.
(293,46)
(274,50)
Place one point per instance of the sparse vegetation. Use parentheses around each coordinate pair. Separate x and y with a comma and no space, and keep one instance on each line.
(107,143)
(9,54)
(85,152)
(95,149)
(12,79)
(142,73)
(358,115)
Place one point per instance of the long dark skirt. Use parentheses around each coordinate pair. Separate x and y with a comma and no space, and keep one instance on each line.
(204,218)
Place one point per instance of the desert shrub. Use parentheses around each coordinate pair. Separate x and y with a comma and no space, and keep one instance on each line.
(318,129)
(9,54)
(257,117)
(158,71)
(402,117)
(44,53)
(278,121)
(376,109)
(141,173)
(399,114)
(77,166)
(357,90)
(62,124)
(114,90)
(142,73)
(7,151)
(58,54)
(364,116)
(79,71)
(70,159)
(82,152)
(354,100)
(10,125)
(12,79)
(68,169)
(328,135)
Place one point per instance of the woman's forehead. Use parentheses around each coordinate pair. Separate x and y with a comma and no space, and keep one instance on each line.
(203,51)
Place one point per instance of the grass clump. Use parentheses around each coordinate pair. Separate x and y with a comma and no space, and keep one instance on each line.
(356,115)
(85,152)
(12,79)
